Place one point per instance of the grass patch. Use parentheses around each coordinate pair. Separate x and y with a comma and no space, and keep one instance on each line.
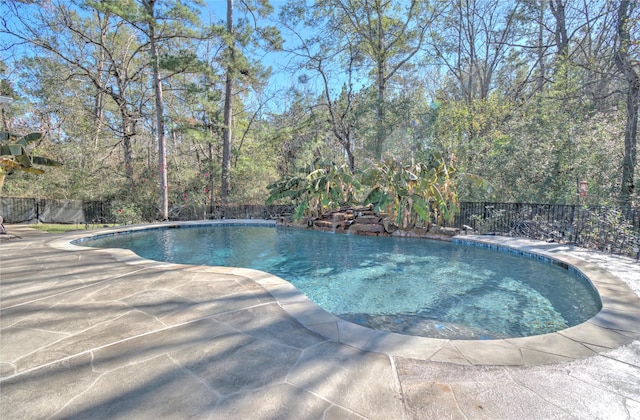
(62,228)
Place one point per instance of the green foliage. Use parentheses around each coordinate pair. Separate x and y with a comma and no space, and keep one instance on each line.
(183,60)
(253,170)
(127,213)
(15,157)
(608,229)
(533,152)
(522,123)
(190,194)
(409,193)
(322,186)
(412,193)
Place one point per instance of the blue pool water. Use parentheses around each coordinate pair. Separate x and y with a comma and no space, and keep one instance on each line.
(417,287)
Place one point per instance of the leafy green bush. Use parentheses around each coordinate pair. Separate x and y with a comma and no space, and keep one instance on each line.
(127,213)
(410,194)
(322,186)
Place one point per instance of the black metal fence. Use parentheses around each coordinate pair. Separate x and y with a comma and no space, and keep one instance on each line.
(614,230)
(231,211)
(603,228)
(35,210)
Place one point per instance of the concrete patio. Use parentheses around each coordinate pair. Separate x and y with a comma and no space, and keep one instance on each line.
(90,333)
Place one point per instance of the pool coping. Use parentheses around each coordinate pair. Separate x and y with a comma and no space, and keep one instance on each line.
(616,324)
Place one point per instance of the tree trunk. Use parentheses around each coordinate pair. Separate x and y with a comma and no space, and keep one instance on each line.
(380,114)
(562,39)
(128,132)
(348,148)
(157,86)
(225,188)
(99,102)
(128,156)
(540,49)
(381,83)
(625,66)
(212,178)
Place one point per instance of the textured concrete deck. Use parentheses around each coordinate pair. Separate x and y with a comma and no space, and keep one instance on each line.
(88,333)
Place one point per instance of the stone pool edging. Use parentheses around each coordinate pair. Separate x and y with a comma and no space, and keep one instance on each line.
(617,323)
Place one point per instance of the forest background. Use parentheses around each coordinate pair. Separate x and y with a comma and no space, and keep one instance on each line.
(157,105)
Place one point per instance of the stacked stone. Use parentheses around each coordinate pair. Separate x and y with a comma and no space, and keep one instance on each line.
(359,220)
(368,223)
(338,221)
(362,220)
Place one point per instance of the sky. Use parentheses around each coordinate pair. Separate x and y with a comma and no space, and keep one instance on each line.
(281,78)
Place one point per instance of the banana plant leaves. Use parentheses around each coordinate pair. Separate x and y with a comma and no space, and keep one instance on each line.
(14,155)
(409,193)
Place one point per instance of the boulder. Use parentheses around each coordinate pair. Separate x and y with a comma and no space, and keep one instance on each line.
(323,225)
(389,227)
(368,220)
(449,231)
(366,229)
(362,220)
(340,216)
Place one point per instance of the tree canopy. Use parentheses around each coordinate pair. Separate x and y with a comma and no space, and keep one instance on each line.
(171,104)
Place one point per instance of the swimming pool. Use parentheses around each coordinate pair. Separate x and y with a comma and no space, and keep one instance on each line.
(417,287)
